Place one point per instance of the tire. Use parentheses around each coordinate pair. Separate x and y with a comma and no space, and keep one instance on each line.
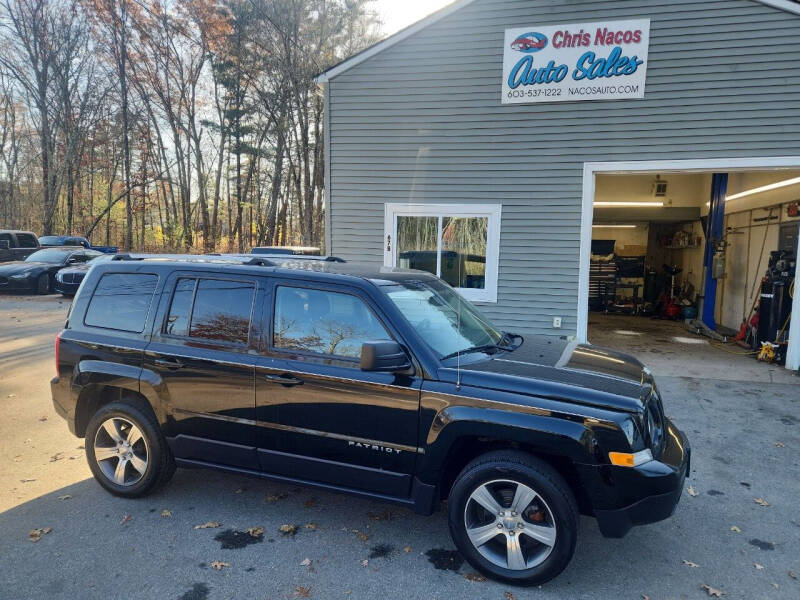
(43,284)
(549,512)
(147,462)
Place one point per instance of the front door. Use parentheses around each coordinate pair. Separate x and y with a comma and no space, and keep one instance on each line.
(321,418)
(203,350)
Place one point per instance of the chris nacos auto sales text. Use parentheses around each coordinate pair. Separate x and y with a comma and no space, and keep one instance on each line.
(589,66)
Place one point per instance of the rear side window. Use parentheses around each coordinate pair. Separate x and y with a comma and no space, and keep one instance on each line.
(213,309)
(121,301)
(26,240)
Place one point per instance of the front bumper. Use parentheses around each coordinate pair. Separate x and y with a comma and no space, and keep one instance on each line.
(7,284)
(67,289)
(624,497)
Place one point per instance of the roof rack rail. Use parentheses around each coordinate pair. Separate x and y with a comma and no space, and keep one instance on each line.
(262,262)
(126,256)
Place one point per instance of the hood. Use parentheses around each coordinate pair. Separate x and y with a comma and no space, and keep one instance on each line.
(579,373)
(20,266)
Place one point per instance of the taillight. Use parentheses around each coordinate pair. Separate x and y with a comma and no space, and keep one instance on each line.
(58,349)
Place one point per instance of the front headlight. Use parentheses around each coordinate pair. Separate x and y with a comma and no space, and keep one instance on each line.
(653,423)
(58,277)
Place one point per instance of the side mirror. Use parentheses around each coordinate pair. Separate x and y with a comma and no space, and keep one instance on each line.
(5,245)
(384,355)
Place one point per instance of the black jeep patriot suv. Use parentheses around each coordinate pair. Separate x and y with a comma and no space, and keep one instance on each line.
(378,382)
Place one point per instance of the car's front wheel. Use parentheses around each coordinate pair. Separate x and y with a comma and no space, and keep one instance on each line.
(43,284)
(126,451)
(513,518)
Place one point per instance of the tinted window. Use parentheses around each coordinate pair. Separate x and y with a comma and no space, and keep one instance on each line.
(222,310)
(121,301)
(181,306)
(7,237)
(26,240)
(323,322)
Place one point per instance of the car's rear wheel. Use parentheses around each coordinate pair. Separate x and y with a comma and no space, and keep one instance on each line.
(43,284)
(513,518)
(126,451)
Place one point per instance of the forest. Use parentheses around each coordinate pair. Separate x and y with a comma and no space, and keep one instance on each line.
(170,126)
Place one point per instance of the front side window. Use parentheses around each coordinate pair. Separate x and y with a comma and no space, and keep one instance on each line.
(213,309)
(121,301)
(323,322)
(446,321)
(458,243)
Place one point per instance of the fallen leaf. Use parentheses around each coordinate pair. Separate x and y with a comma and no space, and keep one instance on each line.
(361,535)
(758,566)
(12,395)
(474,577)
(779,444)
(166,513)
(219,565)
(65,497)
(287,529)
(42,419)
(302,592)
(761,502)
(712,591)
(689,563)
(239,491)
(57,456)
(691,491)
(407,549)
(792,574)
(26,480)
(270,498)
(208,525)
(255,532)
(36,534)
(509,596)
(645,597)
(125,519)
(364,562)
(386,515)
(776,586)
(310,503)
(735,529)
(306,562)
(311,525)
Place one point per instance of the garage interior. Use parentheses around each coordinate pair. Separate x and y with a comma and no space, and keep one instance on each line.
(657,289)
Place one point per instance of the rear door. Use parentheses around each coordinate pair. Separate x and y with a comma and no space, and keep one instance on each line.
(321,417)
(203,351)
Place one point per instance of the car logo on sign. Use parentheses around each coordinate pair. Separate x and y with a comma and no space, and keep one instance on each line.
(529,42)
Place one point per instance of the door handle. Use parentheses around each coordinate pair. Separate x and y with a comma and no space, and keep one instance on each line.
(169,364)
(285,380)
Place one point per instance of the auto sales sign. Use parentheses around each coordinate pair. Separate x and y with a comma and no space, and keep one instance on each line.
(586,61)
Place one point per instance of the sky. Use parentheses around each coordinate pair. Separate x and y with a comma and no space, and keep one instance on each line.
(397,14)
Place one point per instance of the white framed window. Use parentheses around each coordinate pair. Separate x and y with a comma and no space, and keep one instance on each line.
(459,243)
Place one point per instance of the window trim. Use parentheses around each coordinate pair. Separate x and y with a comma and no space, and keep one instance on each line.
(351,360)
(493,212)
(173,285)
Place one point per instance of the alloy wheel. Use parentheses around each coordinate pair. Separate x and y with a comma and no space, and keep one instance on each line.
(509,524)
(121,451)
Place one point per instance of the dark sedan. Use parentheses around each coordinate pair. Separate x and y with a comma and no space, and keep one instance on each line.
(37,272)
(68,279)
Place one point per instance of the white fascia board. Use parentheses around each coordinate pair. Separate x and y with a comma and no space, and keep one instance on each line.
(348,64)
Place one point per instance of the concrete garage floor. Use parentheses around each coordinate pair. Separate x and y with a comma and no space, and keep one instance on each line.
(744,430)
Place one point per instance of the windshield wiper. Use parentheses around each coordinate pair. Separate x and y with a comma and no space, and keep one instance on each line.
(504,344)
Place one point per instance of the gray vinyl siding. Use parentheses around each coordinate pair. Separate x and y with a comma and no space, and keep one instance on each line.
(422,122)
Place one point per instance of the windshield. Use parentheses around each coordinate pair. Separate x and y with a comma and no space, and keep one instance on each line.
(446,321)
(48,256)
(50,240)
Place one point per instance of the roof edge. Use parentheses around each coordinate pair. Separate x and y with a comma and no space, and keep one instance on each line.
(390,41)
(347,64)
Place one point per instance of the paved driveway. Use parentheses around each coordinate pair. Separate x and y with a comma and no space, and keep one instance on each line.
(746,443)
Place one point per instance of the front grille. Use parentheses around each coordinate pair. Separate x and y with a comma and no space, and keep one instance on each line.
(68,278)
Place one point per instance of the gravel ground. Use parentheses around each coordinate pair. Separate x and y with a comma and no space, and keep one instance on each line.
(746,446)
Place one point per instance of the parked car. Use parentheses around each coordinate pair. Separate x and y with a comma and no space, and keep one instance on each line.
(17,245)
(37,272)
(382,383)
(68,279)
(49,241)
